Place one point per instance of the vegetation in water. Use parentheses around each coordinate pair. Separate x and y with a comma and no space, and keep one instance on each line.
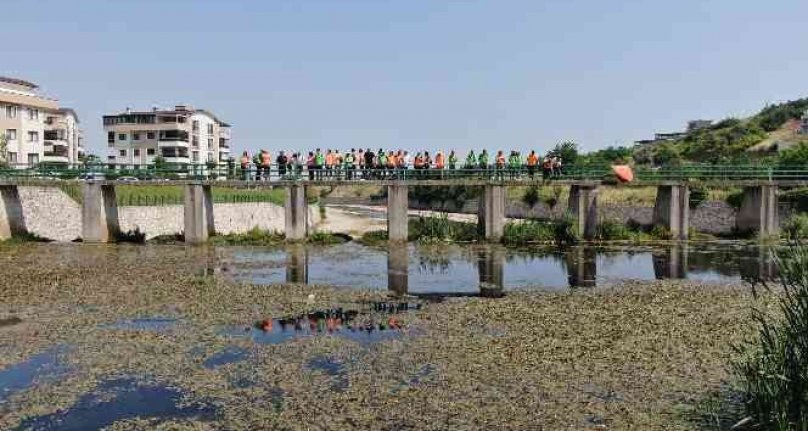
(540,231)
(772,367)
(440,229)
(796,227)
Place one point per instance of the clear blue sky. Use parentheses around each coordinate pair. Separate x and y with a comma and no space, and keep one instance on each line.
(298,74)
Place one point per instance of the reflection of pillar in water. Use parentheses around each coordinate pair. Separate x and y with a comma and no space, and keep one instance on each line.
(490,264)
(581,267)
(297,264)
(398,259)
(763,268)
(671,262)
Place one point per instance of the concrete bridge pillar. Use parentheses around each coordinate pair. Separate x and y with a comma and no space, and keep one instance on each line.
(198,214)
(398,260)
(759,211)
(99,213)
(491,212)
(297,264)
(397,218)
(297,213)
(490,266)
(583,207)
(12,222)
(672,209)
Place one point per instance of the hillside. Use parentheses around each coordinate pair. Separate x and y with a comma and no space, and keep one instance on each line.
(761,136)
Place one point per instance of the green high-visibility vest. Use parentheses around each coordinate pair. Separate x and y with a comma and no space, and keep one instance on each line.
(319,159)
(471,159)
(452,159)
(483,159)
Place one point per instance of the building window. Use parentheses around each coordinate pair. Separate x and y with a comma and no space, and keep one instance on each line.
(136,152)
(195,126)
(195,141)
(33,114)
(150,135)
(149,151)
(110,137)
(11,111)
(111,159)
(12,157)
(122,136)
(210,142)
(195,156)
(210,157)
(33,158)
(210,129)
(122,153)
(11,134)
(33,136)
(135,136)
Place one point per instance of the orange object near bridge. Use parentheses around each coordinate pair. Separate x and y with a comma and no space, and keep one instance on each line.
(623,173)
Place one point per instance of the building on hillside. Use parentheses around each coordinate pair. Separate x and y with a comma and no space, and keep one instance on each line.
(35,128)
(179,135)
(804,123)
(675,136)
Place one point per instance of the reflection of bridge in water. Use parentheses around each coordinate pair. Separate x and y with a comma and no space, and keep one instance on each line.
(580,263)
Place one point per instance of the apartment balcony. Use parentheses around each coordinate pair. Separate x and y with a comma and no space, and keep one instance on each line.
(173,138)
(224,144)
(55,154)
(55,135)
(55,145)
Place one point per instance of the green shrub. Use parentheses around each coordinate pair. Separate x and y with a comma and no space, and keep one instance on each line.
(609,230)
(255,236)
(440,228)
(796,198)
(538,231)
(531,196)
(797,227)
(772,368)
(735,199)
(697,196)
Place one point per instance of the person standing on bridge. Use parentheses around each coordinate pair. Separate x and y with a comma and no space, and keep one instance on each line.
(471,161)
(499,167)
(440,164)
(369,156)
(281,161)
(319,161)
(349,164)
(245,166)
(310,165)
(532,162)
(514,164)
(452,160)
(266,163)
(483,164)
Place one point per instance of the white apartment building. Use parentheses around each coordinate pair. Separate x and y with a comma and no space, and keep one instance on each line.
(35,128)
(180,135)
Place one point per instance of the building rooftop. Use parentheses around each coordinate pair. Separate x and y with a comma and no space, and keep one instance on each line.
(20,82)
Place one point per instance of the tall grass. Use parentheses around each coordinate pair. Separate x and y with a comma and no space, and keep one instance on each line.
(440,228)
(773,367)
(540,231)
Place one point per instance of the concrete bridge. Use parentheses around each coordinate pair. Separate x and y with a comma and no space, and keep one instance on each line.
(100,213)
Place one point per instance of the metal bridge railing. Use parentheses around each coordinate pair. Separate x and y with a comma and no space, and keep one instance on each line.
(342,173)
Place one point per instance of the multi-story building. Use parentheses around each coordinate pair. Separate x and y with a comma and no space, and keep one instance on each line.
(181,135)
(35,128)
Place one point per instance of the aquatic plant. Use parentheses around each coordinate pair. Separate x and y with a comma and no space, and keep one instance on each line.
(440,228)
(796,227)
(562,231)
(772,367)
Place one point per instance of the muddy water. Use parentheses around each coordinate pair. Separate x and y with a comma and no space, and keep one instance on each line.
(469,270)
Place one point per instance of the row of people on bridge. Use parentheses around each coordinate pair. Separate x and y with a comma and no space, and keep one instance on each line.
(383,164)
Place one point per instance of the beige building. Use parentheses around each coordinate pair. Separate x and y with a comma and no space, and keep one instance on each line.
(35,128)
(180,135)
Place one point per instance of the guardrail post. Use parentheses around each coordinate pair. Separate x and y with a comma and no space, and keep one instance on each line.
(99,213)
(12,222)
(672,209)
(296,211)
(198,214)
(491,212)
(583,207)
(397,214)
(759,211)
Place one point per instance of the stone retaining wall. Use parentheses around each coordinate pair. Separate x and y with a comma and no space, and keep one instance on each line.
(50,213)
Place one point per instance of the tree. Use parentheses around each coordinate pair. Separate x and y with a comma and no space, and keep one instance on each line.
(160,163)
(795,156)
(3,149)
(567,150)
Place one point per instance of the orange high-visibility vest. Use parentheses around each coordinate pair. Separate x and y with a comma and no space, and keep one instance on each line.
(265,159)
(329,159)
(439,161)
(532,160)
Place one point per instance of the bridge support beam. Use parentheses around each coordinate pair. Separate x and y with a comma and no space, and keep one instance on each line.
(99,213)
(12,222)
(397,218)
(398,259)
(297,213)
(491,212)
(582,267)
(672,210)
(759,211)
(198,214)
(583,207)
(671,263)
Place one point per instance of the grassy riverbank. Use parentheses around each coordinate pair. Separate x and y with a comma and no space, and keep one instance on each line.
(638,356)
